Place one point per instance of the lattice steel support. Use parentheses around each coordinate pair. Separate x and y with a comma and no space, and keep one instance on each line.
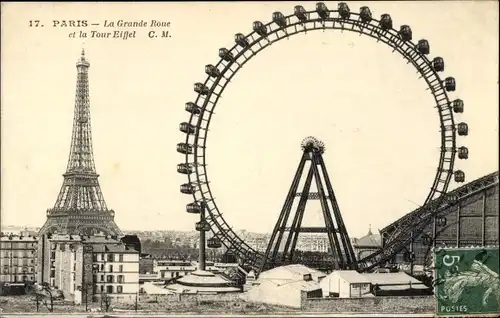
(80,207)
(340,244)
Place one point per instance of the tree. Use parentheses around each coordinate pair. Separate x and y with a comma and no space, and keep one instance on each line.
(47,295)
(105,302)
(86,289)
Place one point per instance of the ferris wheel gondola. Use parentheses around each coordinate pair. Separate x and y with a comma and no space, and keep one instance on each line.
(365,15)
(280,27)
(344,11)
(301,13)
(322,10)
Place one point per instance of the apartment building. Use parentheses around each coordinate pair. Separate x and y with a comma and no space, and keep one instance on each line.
(115,271)
(85,268)
(18,258)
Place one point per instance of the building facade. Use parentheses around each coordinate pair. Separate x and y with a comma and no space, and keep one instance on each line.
(115,271)
(165,269)
(367,244)
(18,258)
(86,268)
(169,269)
(473,220)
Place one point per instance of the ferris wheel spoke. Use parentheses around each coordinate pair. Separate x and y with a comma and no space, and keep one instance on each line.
(443,170)
(448,128)
(446,116)
(272,38)
(396,43)
(361,27)
(373,31)
(442,99)
(423,65)
(354,24)
(413,54)
(441,96)
(447,160)
(448,125)
(426,71)
(434,82)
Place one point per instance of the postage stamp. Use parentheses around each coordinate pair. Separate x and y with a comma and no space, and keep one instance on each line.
(467,281)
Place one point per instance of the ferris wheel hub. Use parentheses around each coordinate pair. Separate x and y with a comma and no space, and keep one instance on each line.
(312,144)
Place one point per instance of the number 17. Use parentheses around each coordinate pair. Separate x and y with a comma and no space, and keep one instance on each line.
(34,23)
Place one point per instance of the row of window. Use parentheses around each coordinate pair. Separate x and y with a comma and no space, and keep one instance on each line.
(16,254)
(15,270)
(110,279)
(17,278)
(108,257)
(167,263)
(172,274)
(16,245)
(20,262)
(111,289)
(100,268)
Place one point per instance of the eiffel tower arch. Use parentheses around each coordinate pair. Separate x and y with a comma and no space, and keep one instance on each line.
(284,238)
(80,208)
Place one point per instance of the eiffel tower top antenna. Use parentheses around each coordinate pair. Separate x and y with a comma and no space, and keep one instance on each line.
(81,157)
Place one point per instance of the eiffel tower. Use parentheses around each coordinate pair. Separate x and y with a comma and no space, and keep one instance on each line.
(287,234)
(80,208)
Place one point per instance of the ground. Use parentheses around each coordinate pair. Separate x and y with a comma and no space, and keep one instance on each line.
(23,304)
(15,304)
(206,306)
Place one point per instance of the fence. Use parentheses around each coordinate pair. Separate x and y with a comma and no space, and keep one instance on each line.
(381,304)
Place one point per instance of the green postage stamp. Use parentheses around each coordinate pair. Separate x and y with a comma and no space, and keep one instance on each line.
(467,281)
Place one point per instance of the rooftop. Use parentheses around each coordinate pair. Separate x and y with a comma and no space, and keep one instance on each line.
(203,281)
(399,278)
(16,237)
(290,272)
(350,276)
(106,248)
(369,240)
(87,238)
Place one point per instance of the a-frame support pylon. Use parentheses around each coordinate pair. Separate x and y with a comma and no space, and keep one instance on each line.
(287,235)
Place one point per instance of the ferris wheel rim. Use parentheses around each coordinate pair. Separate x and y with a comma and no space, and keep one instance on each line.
(219,226)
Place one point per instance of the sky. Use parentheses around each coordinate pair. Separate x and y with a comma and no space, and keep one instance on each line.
(363,101)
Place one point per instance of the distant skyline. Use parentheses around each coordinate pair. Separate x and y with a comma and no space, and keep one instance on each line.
(6,226)
(375,117)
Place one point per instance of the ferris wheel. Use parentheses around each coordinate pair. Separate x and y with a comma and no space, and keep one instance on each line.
(284,26)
